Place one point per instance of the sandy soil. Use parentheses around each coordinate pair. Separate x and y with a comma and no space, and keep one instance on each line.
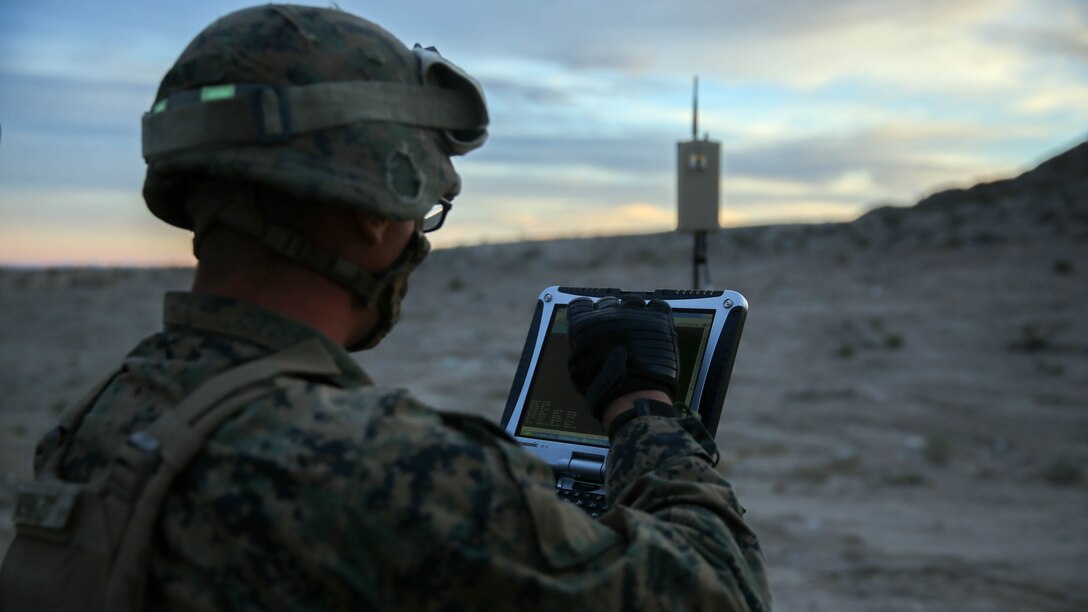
(906,425)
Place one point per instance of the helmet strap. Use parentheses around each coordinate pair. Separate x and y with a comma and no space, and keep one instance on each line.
(237,209)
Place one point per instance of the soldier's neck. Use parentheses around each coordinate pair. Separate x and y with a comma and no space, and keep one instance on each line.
(300,295)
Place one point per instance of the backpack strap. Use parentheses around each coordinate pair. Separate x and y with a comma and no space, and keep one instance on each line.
(87,546)
(146,465)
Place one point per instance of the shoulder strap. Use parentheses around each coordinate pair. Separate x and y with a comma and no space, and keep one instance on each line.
(87,546)
(171,441)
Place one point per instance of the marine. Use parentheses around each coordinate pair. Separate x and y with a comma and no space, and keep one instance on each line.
(241,459)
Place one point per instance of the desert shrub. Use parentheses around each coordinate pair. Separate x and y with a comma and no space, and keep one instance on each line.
(844,351)
(1062,472)
(743,240)
(891,218)
(1047,216)
(1034,336)
(953,220)
(953,243)
(893,341)
(99,279)
(1049,368)
(1063,267)
(819,473)
(910,479)
(750,239)
(455,284)
(646,255)
(937,450)
(747,451)
(858,239)
(21,280)
(597,261)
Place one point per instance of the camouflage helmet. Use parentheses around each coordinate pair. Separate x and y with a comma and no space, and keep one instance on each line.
(317,103)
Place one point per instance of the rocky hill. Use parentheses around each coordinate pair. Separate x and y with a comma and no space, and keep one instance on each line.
(1049,200)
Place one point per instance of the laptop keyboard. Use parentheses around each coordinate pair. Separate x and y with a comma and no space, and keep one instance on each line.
(594,504)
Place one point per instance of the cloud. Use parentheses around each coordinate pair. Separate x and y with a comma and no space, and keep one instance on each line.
(822,108)
(923,44)
(1054,99)
(902,155)
(130,41)
(927,44)
(630,154)
(1056,28)
(518,93)
(821,160)
(71,106)
(50,158)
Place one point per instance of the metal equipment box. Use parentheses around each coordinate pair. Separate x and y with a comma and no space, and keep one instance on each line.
(698,185)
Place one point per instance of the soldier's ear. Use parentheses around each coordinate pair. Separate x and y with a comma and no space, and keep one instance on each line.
(371,229)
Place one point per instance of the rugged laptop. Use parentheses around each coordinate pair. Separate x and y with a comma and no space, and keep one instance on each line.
(548,417)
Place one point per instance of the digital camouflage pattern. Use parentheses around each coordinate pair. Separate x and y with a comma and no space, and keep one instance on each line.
(392,170)
(326,497)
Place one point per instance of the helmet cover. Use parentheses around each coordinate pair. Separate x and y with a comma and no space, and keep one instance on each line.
(393,170)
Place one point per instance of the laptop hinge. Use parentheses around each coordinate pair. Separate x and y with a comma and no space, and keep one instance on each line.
(586,467)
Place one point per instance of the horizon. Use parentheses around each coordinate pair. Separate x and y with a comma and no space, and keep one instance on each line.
(824,112)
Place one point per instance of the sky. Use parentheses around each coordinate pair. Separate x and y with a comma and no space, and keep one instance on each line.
(824,109)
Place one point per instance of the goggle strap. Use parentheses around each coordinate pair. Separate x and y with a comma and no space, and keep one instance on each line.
(246,114)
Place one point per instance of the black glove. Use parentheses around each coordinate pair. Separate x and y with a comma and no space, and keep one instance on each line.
(618,347)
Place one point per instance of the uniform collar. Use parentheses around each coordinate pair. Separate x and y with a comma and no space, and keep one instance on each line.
(251,323)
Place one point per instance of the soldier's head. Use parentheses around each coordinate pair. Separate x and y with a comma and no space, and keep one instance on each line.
(277,113)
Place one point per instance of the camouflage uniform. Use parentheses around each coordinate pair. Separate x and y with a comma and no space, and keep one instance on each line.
(319,496)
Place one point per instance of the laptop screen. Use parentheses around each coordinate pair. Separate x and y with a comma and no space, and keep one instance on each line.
(555,411)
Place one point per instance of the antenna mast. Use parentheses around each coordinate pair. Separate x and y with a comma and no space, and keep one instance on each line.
(695,110)
(698,184)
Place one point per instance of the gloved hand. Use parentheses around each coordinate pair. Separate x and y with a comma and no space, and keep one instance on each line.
(618,347)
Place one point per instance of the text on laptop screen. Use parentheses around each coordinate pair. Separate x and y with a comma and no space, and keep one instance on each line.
(555,411)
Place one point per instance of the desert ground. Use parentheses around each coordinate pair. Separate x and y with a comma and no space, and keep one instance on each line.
(907,422)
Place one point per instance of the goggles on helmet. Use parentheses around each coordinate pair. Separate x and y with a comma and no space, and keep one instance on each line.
(439,72)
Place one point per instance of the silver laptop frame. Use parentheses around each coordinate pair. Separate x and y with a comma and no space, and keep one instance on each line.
(584,461)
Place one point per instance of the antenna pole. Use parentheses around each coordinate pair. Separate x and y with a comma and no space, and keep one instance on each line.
(695,110)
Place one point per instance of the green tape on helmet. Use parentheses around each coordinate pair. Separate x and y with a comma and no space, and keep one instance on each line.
(216,92)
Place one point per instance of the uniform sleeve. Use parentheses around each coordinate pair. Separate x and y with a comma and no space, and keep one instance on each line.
(403,509)
(675,538)
(661,477)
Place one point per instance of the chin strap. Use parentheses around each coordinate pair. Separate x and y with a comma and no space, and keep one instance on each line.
(238,211)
